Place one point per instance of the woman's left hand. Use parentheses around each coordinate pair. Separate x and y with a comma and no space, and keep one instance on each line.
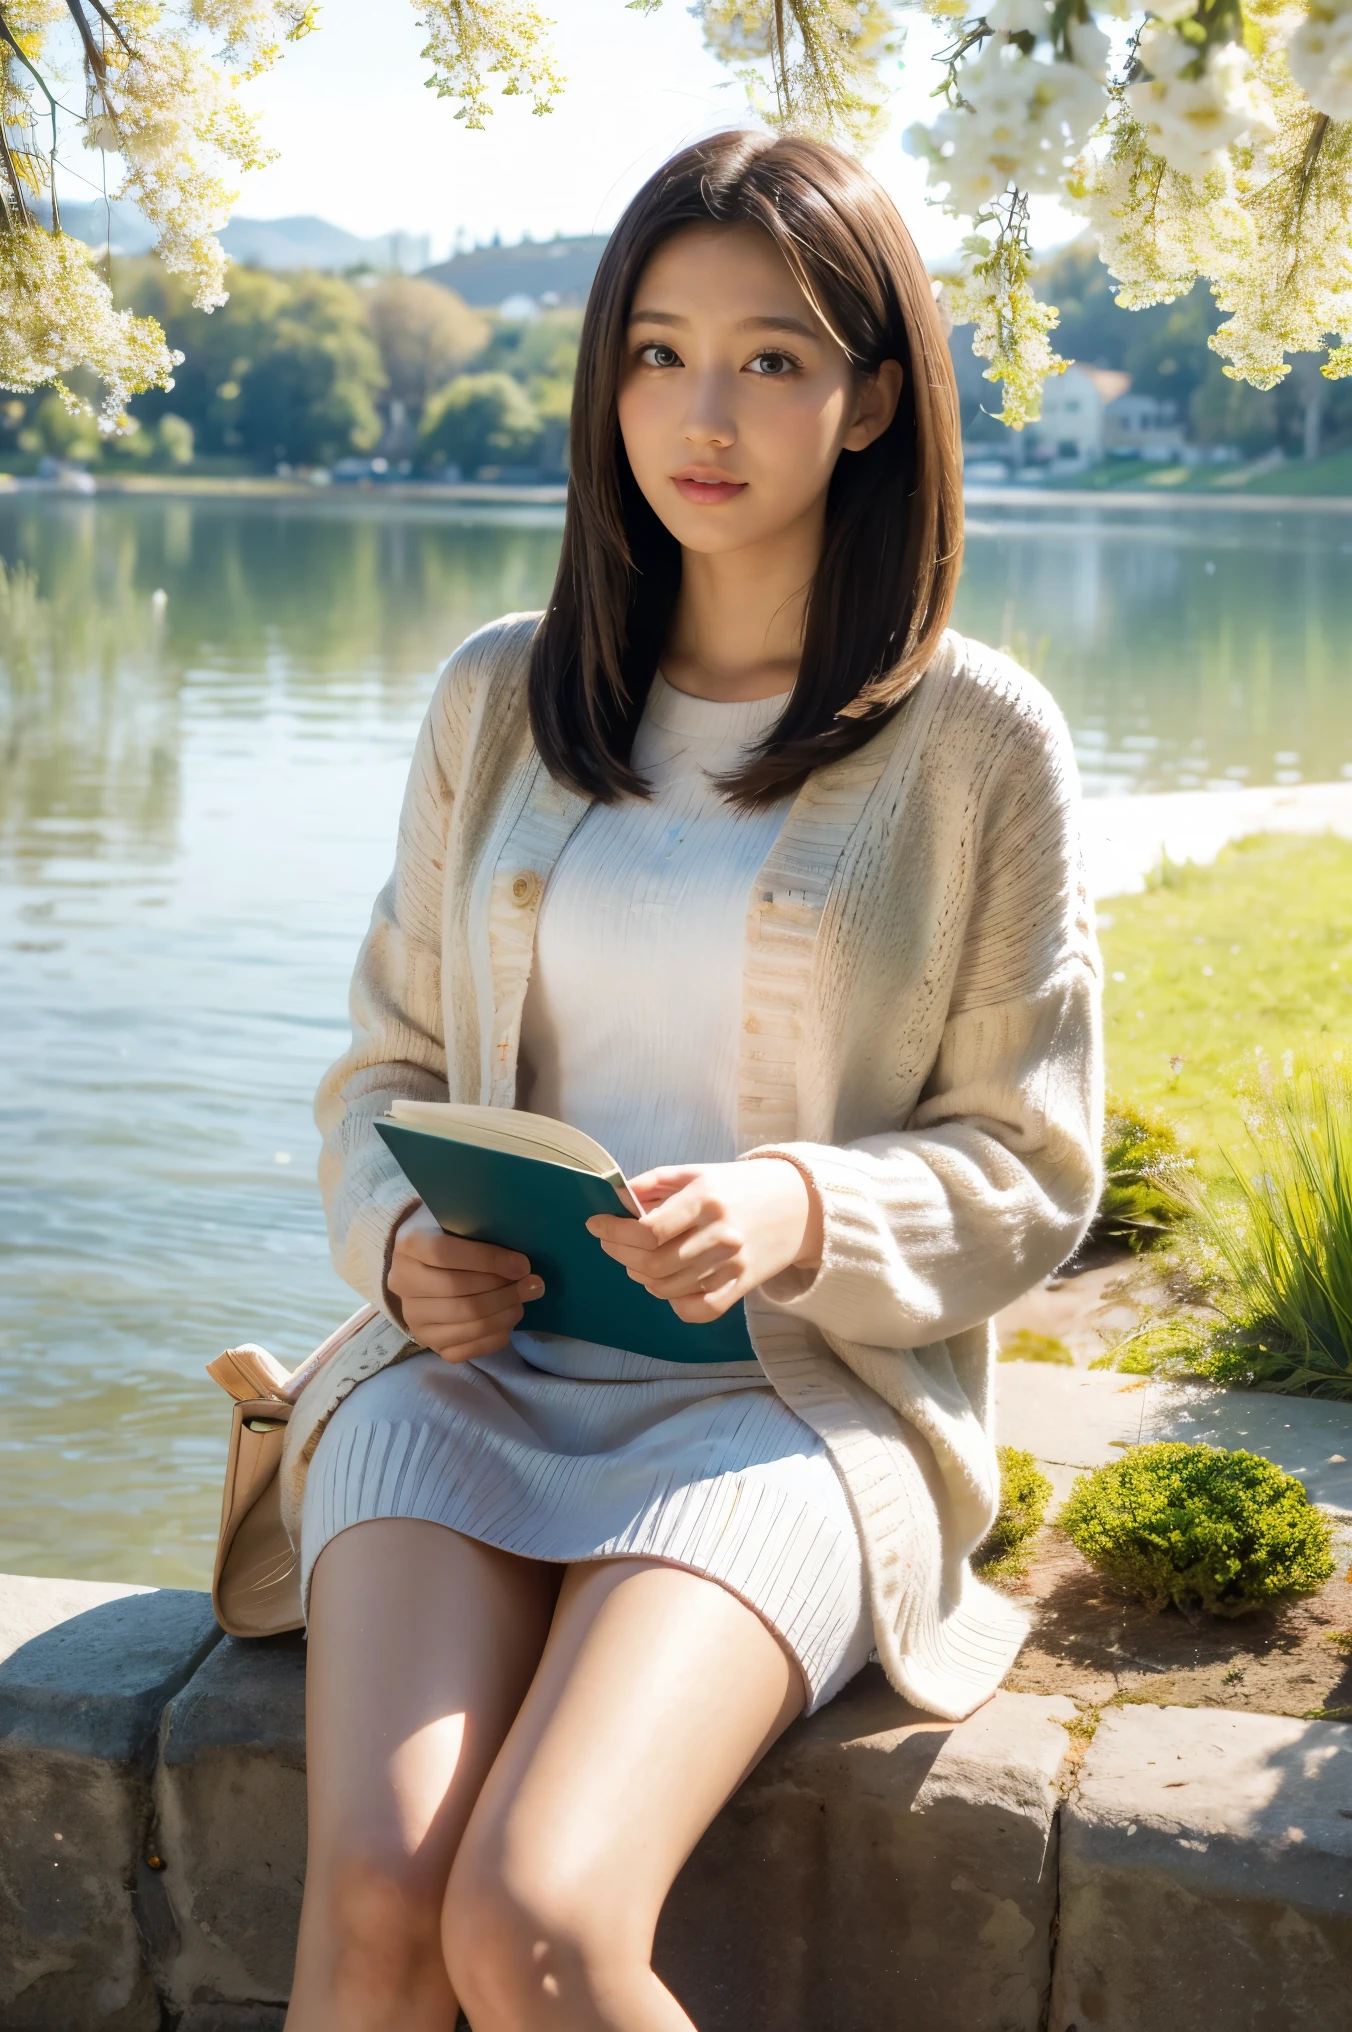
(712,1232)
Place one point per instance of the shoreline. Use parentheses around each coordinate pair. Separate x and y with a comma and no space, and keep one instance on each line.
(493,494)
(1126,835)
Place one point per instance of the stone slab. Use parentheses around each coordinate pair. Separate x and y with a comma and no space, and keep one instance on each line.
(85,1669)
(878,1872)
(1206,1876)
(1311,1439)
(1073,1419)
(87,1666)
(230,1825)
(1069,1419)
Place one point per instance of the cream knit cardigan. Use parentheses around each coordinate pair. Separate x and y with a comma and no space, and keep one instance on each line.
(920,1035)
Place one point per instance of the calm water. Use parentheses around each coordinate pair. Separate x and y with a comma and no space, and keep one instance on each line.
(198,795)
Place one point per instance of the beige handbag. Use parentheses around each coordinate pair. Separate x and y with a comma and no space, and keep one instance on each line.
(255,1589)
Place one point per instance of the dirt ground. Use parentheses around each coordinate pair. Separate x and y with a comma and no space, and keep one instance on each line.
(1092,1643)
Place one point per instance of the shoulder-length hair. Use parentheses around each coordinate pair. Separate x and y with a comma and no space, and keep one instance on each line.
(884,586)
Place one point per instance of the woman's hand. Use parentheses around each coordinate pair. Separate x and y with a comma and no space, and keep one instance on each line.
(712,1232)
(458,1298)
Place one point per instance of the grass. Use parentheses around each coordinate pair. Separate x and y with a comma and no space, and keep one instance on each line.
(1216,974)
(1144,1167)
(1273,1254)
(1027,1346)
(1025,1493)
(1320,478)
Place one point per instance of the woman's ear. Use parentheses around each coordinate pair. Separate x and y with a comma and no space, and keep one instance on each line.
(877,405)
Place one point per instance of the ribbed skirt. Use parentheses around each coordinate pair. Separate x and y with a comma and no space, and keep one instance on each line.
(714,1474)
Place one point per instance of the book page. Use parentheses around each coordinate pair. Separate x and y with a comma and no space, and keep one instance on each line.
(512,1129)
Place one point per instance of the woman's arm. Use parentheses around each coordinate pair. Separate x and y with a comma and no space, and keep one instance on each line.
(934,1227)
(397,1049)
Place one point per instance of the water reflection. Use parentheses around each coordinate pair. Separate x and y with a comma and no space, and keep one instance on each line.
(198,797)
(1200,650)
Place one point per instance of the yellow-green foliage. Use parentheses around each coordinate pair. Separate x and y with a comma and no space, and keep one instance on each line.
(1199,1527)
(1276,1251)
(1025,1493)
(1144,1165)
(1223,969)
(1027,1346)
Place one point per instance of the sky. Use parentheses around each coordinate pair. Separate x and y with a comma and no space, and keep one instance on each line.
(362,143)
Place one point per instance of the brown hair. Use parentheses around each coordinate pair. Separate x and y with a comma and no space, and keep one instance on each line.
(884,586)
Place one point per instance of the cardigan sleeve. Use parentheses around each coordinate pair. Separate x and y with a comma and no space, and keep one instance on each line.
(933,1227)
(398,1048)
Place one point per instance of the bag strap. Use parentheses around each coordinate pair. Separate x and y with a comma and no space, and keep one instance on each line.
(249,1372)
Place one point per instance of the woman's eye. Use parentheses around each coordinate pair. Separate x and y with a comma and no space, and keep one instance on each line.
(774,364)
(659,356)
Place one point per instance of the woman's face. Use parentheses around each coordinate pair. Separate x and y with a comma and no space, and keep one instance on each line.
(735,401)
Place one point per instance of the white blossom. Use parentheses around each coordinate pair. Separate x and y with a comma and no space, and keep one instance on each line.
(1190,121)
(1021,17)
(1089,48)
(1022,122)
(1320,57)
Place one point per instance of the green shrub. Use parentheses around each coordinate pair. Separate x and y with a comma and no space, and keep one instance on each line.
(1027,1346)
(1279,1249)
(1024,1495)
(480,420)
(1194,1525)
(1144,1169)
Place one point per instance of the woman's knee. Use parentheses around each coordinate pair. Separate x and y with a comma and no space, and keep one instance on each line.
(526,1949)
(386,1931)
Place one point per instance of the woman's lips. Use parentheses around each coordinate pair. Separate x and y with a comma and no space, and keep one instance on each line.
(707,491)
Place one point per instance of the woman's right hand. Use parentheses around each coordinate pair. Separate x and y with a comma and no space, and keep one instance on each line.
(458,1298)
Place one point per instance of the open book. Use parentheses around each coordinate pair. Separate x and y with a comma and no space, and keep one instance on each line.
(523,1134)
(529,1182)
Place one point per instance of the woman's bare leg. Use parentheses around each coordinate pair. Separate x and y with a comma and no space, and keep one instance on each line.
(657,1692)
(422,1645)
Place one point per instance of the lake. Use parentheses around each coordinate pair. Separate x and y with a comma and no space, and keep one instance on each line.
(206,713)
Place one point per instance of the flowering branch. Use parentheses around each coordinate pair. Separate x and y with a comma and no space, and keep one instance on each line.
(1212,140)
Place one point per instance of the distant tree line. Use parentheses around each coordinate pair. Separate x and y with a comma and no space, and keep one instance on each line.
(1165,351)
(304,370)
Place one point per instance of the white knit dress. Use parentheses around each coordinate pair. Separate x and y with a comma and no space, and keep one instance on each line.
(564,1450)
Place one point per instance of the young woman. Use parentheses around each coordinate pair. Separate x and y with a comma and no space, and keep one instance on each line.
(738,860)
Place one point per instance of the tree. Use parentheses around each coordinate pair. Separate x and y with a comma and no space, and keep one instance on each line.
(425,335)
(1211,140)
(286,369)
(309,394)
(480,420)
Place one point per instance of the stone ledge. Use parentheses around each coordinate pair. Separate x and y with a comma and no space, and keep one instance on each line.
(230,1823)
(1206,1875)
(85,1671)
(879,1870)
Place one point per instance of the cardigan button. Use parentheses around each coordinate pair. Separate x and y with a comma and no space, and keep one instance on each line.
(526,889)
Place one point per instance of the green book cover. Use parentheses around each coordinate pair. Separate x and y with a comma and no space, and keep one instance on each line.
(541,1208)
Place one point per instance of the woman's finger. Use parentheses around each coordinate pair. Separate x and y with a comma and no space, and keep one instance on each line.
(452,1312)
(454,1252)
(651,1187)
(419,1280)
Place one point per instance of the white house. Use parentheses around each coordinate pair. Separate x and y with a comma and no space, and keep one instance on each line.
(1071,430)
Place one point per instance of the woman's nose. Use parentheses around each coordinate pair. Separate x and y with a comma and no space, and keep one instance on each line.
(710,419)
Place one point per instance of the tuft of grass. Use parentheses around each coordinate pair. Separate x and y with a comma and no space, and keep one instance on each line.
(1279,1308)
(1027,1346)
(1025,1493)
(1145,1167)
(1196,1526)
(1222,969)
(1341,1640)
